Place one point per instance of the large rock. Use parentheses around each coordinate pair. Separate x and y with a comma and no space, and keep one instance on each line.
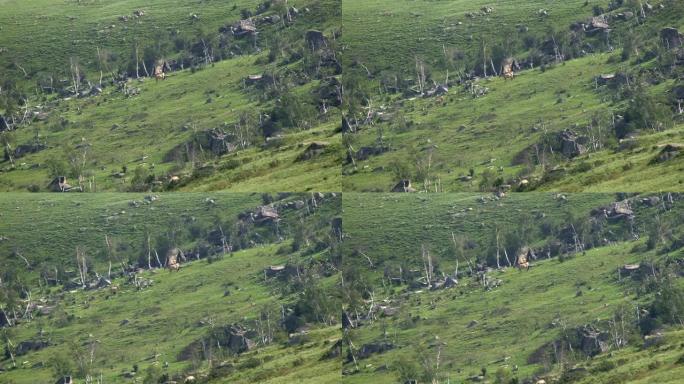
(30,345)
(403,186)
(314,149)
(25,149)
(315,39)
(243,28)
(592,341)
(671,38)
(598,22)
(668,152)
(64,380)
(571,144)
(266,213)
(238,340)
(619,211)
(373,348)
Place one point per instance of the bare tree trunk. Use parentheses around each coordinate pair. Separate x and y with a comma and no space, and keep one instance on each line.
(157,256)
(149,253)
(498,266)
(137,63)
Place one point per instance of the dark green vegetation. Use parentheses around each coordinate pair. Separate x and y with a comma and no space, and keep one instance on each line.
(595,105)
(250,101)
(230,314)
(601,302)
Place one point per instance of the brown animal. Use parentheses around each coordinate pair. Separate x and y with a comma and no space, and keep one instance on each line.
(173,258)
(508,69)
(159,73)
(522,259)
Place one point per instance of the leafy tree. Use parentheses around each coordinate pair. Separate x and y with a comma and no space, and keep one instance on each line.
(61,366)
(644,112)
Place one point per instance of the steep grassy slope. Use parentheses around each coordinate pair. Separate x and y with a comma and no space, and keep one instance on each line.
(158,327)
(473,328)
(239,110)
(488,132)
(388,35)
(177,310)
(452,334)
(114,131)
(407,221)
(460,133)
(41,35)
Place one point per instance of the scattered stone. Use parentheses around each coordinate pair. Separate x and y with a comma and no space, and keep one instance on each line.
(243,28)
(598,23)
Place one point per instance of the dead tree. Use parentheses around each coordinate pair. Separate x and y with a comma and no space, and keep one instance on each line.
(108,241)
(427,265)
(82,265)
(75,71)
(149,253)
(420,75)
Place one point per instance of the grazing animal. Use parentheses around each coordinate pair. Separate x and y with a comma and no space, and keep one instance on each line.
(173,259)
(159,73)
(522,260)
(508,69)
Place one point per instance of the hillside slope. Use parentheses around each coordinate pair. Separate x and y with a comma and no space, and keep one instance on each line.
(593,105)
(228,314)
(474,322)
(248,99)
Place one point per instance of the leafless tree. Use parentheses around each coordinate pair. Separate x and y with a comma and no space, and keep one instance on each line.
(82,265)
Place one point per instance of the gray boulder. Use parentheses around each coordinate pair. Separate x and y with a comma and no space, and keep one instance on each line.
(671,38)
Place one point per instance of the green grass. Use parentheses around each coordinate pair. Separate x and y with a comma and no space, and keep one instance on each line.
(113,131)
(407,221)
(388,35)
(513,320)
(168,316)
(457,132)
(121,131)
(178,308)
(55,32)
(488,133)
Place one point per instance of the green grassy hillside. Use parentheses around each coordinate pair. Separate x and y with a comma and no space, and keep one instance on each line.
(253,111)
(114,131)
(486,133)
(407,331)
(159,323)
